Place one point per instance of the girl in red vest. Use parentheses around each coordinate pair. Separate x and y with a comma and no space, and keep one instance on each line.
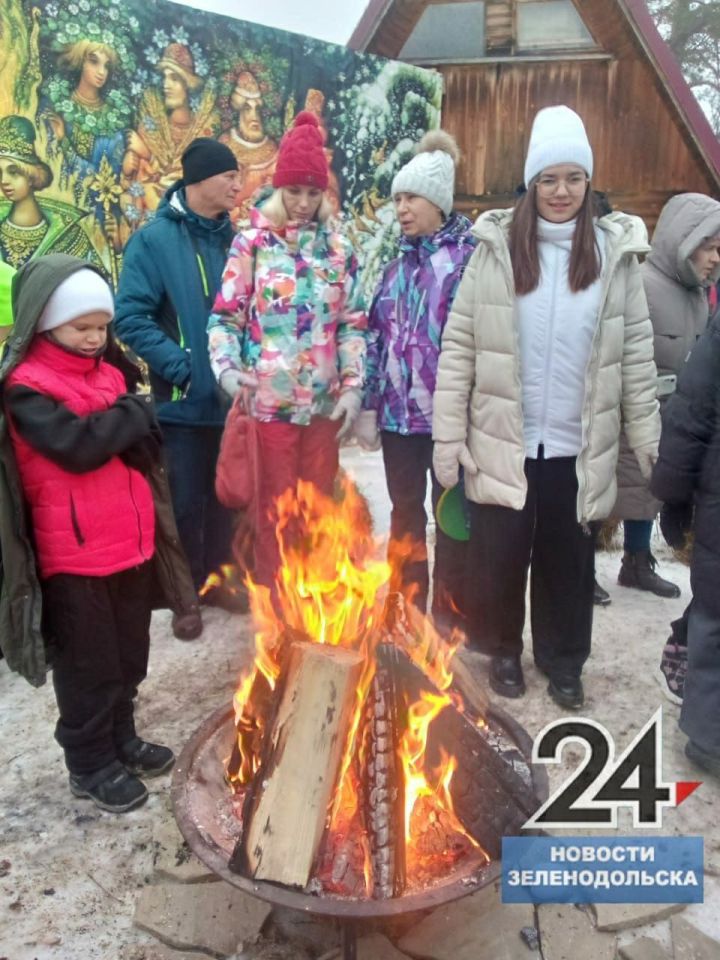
(82,446)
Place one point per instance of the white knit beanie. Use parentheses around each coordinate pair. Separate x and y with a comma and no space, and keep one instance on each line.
(557,136)
(431,172)
(82,292)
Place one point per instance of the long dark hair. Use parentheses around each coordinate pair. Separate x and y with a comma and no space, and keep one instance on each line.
(584,255)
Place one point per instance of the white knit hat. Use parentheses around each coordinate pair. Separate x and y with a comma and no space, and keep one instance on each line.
(431,172)
(82,292)
(557,136)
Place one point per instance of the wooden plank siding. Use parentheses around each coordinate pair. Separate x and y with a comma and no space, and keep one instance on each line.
(642,151)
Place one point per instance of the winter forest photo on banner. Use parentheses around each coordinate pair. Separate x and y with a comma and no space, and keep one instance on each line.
(99,98)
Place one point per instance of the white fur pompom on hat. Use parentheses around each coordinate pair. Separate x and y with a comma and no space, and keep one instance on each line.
(82,292)
(431,172)
(557,136)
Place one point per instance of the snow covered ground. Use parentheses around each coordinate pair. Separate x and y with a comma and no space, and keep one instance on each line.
(70,874)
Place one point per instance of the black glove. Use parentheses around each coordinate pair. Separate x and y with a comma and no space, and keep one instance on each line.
(675,523)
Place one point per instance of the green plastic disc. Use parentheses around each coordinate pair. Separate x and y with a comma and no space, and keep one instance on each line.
(450,513)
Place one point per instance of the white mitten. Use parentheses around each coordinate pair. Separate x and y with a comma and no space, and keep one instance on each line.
(346,409)
(646,458)
(448,457)
(366,430)
(233,381)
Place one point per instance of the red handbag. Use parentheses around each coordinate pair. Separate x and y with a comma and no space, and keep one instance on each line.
(237,470)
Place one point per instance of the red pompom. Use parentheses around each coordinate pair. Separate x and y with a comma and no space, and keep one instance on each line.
(305,118)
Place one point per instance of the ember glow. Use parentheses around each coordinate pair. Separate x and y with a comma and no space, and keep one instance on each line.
(331,589)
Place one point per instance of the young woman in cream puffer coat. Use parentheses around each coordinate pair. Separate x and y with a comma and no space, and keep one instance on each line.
(547,344)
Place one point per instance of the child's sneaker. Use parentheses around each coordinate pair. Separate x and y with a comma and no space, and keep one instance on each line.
(145,759)
(112,788)
(671,672)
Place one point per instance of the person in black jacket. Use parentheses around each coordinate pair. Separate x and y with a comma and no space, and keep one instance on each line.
(687,479)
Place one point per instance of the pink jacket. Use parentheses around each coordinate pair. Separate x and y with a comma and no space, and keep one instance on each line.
(94,523)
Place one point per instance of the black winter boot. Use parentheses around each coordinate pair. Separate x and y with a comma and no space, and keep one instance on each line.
(638,570)
(112,788)
(144,759)
(506,677)
(601,598)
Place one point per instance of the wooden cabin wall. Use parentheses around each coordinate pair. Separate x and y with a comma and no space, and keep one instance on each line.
(643,153)
(640,156)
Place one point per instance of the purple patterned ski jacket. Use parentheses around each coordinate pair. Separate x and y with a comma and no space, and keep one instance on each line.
(407,318)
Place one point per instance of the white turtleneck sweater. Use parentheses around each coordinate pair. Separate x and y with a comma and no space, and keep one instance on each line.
(556,329)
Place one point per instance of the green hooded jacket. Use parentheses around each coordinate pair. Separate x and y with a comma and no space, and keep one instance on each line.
(6,275)
(21,636)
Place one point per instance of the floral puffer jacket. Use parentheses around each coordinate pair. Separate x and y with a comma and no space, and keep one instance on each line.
(290,309)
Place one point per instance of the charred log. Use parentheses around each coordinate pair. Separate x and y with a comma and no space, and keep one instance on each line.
(385,724)
(490,797)
(344,862)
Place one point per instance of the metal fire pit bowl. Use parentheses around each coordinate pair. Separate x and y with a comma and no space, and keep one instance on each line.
(203,810)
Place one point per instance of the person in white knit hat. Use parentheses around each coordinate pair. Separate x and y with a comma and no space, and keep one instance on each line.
(94,537)
(548,341)
(407,318)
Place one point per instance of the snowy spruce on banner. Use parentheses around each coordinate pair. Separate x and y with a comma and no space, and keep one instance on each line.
(99,98)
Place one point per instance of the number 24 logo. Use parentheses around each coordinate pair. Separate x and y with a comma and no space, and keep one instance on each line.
(602,784)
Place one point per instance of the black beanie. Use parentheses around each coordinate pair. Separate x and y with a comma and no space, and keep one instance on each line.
(205,158)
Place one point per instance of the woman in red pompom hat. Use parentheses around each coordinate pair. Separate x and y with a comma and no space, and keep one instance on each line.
(289,324)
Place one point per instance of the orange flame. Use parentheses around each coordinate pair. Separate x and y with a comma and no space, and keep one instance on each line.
(330,589)
(228,577)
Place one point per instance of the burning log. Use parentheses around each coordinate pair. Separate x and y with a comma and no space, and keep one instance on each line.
(344,866)
(250,728)
(490,798)
(385,802)
(302,753)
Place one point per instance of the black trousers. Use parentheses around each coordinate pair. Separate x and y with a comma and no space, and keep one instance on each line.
(204,525)
(99,628)
(408,460)
(546,539)
(700,713)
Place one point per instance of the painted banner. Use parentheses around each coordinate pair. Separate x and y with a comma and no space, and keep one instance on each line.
(99,98)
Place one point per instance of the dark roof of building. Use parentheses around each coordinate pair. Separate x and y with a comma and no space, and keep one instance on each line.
(673,80)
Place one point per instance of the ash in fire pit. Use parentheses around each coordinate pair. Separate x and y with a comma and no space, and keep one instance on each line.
(358,775)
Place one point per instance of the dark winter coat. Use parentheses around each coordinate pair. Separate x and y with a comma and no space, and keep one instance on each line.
(688,468)
(21,635)
(678,305)
(171,272)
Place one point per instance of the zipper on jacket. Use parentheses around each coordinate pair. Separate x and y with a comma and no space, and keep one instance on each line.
(137,513)
(203,276)
(75,523)
(177,392)
(549,343)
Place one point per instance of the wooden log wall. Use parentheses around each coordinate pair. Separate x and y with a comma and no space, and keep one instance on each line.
(643,152)
(640,157)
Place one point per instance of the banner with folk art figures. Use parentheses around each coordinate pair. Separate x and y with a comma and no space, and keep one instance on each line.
(99,98)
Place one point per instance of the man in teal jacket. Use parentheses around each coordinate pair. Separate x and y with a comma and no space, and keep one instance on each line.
(171,272)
